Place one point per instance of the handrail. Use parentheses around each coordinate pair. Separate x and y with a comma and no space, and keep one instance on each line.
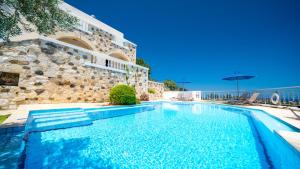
(289,95)
(278,88)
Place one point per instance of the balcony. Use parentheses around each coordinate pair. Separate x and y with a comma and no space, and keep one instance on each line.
(99,60)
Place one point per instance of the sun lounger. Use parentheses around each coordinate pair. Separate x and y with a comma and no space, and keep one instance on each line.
(251,100)
(295,111)
(243,97)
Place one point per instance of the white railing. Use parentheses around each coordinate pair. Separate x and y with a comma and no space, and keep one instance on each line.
(100,60)
(182,95)
(83,26)
(86,20)
(287,95)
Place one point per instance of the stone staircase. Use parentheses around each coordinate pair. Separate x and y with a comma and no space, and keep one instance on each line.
(44,120)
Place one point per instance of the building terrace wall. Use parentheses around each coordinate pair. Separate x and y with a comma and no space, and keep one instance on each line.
(51,73)
(158,88)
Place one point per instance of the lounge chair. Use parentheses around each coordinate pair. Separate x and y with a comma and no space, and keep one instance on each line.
(242,98)
(251,100)
(296,111)
(295,108)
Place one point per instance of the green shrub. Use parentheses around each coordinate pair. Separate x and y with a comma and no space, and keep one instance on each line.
(3,118)
(122,95)
(151,91)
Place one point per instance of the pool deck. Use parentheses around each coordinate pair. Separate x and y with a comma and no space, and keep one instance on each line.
(18,117)
(286,115)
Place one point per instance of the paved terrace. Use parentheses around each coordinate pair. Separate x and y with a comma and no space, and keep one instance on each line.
(18,117)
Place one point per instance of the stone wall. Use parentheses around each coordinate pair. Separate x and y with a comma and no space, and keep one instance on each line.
(50,73)
(99,41)
(158,88)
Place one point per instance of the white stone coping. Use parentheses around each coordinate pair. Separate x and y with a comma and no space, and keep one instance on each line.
(293,138)
(285,115)
(104,67)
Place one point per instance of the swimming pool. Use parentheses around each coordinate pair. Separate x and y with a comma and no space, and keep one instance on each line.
(165,135)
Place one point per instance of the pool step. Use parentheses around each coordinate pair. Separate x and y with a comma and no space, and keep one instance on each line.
(51,120)
(109,112)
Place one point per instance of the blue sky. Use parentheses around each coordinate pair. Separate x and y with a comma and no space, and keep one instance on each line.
(204,40)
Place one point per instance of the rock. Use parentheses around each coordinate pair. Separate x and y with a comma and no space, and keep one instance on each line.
(49,50)
(4,90)
(33,51)
(72,85)
(22,53)
(25,43)
(26,67)
(4,102)
(19,99)
(19,62)
(38,83)
(49,44)
(36,62)
(39,91)
(22,88)
(59,59)
(39,72)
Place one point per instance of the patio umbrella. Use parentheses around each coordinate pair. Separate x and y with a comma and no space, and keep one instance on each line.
(237,78)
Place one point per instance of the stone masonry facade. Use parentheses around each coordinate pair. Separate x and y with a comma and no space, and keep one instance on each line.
(99,41)
(158,90)
(78,65)
(50,73)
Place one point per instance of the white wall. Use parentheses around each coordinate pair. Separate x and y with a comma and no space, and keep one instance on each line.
(194,95)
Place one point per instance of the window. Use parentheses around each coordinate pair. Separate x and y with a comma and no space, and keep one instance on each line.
(9,79)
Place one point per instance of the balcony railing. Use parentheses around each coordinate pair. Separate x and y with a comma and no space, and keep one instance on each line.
(289,96)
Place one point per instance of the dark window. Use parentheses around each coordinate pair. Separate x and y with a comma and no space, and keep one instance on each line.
(9,79)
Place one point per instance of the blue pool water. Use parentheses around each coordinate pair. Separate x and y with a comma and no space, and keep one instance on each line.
(170,135)
(11,147)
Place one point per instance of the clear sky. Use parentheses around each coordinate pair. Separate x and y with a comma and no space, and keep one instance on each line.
(204,40)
